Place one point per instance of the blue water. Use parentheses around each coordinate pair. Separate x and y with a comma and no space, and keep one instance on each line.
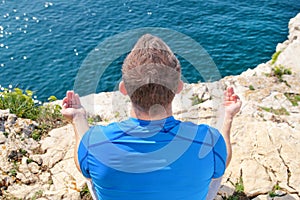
(43,43)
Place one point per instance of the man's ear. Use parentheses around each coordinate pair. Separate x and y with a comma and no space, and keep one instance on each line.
(180,87)
(122,88)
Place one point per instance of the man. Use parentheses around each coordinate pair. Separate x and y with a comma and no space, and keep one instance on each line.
(151,155)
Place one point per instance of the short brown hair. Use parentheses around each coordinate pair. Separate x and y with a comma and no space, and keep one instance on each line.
(151,73)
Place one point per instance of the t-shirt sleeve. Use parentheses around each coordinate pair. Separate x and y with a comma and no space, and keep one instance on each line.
(220,154)
(83,153)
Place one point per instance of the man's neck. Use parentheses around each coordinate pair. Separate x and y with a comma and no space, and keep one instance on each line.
(156,112)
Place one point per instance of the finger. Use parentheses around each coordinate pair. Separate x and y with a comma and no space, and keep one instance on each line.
(77,99)
(226,96)
(65,102)
(230,91)
(234,97)
(69,96)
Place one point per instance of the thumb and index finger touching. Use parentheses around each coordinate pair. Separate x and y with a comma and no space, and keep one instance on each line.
(72,99)
(230,95)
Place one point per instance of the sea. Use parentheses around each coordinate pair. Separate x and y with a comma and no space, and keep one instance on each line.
(45,44)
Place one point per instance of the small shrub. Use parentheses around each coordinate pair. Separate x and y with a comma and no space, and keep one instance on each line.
(49,118)
(19,103)
(52,98)
(293,98)
(23,151)
(279,71)
(277,187)
(24,105)
(50,181)
(279,111)
(29,160)
(239,186)
(251,87)
(37,195)
(85,193)
(13,172)
(275,56)
(272,193)
(6,134)
(238,192)
(92,120)
(36,135)
(196,100)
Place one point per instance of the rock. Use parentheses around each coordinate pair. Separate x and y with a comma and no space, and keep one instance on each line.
(2,138)
(56,144)
(66,176)
(33,168)
(262,197)
(21,191)
(226,189)
(4,113)
(45,177)
(255,178)
(37,158)
(279,193)
(294,29)
(71,195)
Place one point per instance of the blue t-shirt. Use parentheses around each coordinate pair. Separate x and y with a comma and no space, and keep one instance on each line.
(146,160)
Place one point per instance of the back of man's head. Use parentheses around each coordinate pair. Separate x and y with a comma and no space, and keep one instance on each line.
(151,73)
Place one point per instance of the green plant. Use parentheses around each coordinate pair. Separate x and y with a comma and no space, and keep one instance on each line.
(6,134)
(85,193)
(52,98)
(19,103)
(37,195)
(29,160)
(293,98)
(238,193)
(94,119)
(275,56)
(48,118)
(24,105)
(23,151)
(36,135)
(272,193)
(50,181)
(239,186)
(277,187)
(279,111)
(13,172)
(117,114)
(251,87)
(279,71)
(196,100)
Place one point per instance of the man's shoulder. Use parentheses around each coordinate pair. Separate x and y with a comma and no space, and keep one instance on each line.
(205,132)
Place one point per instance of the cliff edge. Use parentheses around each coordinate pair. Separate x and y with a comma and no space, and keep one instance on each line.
(265,134)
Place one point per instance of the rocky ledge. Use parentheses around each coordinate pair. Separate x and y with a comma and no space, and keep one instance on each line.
(265,134)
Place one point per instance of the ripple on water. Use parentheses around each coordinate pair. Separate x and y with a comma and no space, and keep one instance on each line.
(237,35)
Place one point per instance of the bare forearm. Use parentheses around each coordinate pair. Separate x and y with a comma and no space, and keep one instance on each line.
(226,128)
(80,126)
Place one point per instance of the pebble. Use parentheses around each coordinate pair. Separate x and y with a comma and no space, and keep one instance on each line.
(2,138)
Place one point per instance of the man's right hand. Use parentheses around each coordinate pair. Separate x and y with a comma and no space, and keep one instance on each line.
(71,107)
(232,103)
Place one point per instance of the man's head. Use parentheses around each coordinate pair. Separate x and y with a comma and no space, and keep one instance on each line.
(151,74)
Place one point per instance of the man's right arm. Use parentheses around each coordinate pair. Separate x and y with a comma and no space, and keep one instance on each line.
(232,104)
